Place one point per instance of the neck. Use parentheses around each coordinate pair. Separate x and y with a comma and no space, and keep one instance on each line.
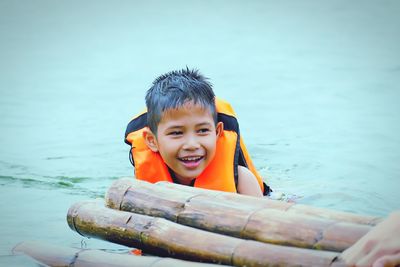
(184,181)
(180,180)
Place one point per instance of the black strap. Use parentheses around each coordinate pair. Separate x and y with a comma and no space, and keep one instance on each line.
(136,124)
(131,158)
(267,189)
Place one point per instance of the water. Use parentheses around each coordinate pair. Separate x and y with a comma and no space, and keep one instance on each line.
(315,85)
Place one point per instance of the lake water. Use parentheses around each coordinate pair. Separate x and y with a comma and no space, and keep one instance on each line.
(315,85)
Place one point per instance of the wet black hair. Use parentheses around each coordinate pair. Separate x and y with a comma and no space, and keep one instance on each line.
(176,88)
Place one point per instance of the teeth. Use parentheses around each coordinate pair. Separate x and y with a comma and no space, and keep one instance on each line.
(191,158)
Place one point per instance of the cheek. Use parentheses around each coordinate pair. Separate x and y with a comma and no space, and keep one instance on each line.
(168,149)
(211,144)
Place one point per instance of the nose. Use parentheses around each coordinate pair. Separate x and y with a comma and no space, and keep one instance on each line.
(191,143)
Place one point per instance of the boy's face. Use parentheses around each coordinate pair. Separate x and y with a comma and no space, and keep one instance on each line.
(186,140)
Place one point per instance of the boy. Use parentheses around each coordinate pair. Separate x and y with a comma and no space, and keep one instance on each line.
(188,136)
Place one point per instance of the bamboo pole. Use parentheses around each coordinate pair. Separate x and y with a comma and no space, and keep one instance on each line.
(235,199)
(165,238)
(45,254)
(246,219)
(60,256)
(271,204)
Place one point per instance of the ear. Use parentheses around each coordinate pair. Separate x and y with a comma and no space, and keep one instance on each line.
(150,139)
(219,129)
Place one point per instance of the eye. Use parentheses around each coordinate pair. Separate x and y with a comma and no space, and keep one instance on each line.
(175,133)
(204,130)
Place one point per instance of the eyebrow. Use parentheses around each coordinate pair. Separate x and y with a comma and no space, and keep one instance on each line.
(202,124)
(174,127)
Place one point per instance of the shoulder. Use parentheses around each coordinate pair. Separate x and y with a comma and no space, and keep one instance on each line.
(247,183)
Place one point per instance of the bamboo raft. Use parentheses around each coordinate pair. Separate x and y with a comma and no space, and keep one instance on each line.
(264,220)
(207,227)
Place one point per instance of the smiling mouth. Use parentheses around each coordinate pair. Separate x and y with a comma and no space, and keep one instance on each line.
(191,162)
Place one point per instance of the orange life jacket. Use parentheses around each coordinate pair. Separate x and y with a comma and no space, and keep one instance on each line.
(222,172)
